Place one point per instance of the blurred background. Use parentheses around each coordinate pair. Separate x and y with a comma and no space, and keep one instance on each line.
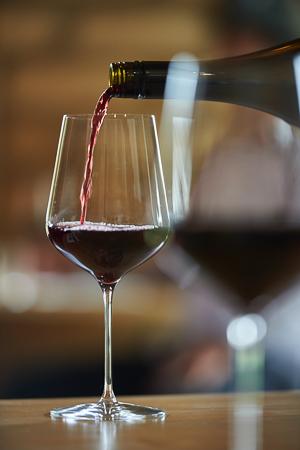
(169,331)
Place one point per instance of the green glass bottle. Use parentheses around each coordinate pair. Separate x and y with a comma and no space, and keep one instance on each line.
(265,80)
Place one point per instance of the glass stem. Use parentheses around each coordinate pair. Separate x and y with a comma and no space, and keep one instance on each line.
(108,394)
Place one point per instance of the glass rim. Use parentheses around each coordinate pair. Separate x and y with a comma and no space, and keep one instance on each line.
(86,116)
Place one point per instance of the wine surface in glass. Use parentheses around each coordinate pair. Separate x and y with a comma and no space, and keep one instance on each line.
(107,251)
(250,262)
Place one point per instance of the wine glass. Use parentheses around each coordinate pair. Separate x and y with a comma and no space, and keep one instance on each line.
(236,210)
(126,222)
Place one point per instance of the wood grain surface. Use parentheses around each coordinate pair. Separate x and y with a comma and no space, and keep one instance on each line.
(237,422)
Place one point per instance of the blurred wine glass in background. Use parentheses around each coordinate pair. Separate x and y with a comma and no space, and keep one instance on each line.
(234,187)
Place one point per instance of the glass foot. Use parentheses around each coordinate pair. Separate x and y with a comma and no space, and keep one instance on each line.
(108,411)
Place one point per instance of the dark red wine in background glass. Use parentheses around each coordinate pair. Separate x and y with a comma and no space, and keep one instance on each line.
(107,251)
(97,120)
(251,262)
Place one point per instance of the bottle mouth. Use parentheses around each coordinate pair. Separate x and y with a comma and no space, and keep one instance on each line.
(125,78)
(117,74)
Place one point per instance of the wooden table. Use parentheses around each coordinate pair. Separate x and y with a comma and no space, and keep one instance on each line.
(235,422)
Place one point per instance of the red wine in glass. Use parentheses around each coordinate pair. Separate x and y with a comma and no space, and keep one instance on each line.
(107,251)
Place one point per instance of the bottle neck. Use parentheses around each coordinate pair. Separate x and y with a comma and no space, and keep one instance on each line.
(125,79)
(138,79)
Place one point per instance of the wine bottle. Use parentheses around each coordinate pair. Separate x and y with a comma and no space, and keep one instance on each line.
(263,80)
